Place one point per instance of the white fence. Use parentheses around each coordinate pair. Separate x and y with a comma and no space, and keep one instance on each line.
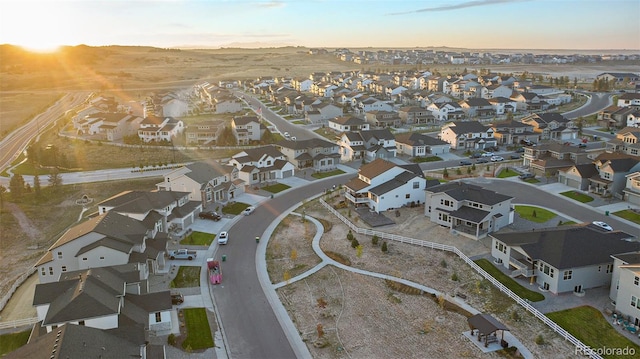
(18,323)
(580,347)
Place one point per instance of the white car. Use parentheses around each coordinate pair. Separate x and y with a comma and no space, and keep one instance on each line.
(286,134)
(497,158)
(487,154)
(602,225)
(247,211)
(223,237)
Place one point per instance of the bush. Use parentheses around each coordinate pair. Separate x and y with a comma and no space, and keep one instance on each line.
(539,339)
(171,339)
(354,243)
(374,240)
(515,316)
(384,248)
(454,277)
(443,263)
(350,236)
(534,214)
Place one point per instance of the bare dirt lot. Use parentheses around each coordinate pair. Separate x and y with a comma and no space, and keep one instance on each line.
(364,317)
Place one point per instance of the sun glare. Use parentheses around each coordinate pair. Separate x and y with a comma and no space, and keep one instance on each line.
(42,48)
(45,28)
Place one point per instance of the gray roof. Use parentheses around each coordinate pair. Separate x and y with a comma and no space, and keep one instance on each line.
(629,258)
(254,154)
(462,127)
(392,184)
(204,171)
(570,247)
(471,214)
(306,144)
(461,191)
(142,201)
(485,323)
(416,138)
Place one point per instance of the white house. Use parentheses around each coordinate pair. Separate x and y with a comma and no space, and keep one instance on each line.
(382,185)
(348,124)
(262,164)
(625,285)
(155,128)
(416,144)
(467,135)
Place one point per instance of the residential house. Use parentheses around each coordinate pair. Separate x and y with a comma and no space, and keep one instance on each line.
(562,259)
(302,84)
(323,112)
(477,107)
(618,77)
(247,129)
(503,105)
(578,176)
(467,135)
(227,104)
(174,107)
(512,132)
(617,117)
(109,126)
(467,209)
(160,210)
(632,188)
(206,182)
(203,133)
(415,115)
(446,111)
(419,145)
(547,159)
(365,105)
(629,99)
(633,119)
(262,164)
(627,141)
(158,129)
(552,126)
(499,90)
(542,90)
(383,119)
(315,154)
(611,178)
(81,341)
(382,185)
(625,285)
(103,298)
(529,101)
(105,240)
(348,124)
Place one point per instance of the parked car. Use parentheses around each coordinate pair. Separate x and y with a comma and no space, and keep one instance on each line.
(286,134)
(487,154)
(293,138)
(526,176)
(515,156)
(476,155)
(223,237)
(520,150)
(247,211)
(497,158)
(210,215)
(482,160)
(526,143)
(602,225)
(582,145)
(465,163)
(177,298)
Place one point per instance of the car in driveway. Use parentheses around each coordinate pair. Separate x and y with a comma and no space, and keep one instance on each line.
(210,215)
(526,176)
(223,237)
(286,134)
(177,298)
(602,225)
(497,158)
(247,211)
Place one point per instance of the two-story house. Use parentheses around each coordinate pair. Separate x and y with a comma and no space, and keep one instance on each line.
(262,164)
(383,119)
(111,126)
(247,129)
(632,188)
(315,154)
(348,124)
(477,107)
(625,285)
(512,132)
(467,135)
(202,133)
(562,259)
(503,105)
(467,209)
(446,111)
(415,115)
(367,145)
(611,178)
(552,126)
(382,185)
(227,104)
(627,141)
(206,182)
(155,128)
(547,159)
(416,144)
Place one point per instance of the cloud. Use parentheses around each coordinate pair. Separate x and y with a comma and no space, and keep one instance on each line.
(463,5)
(270,4)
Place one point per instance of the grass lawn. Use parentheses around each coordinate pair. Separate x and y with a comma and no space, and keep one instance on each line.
(508,282)
(298,122)
(567,223)
(592,328)
(426,159)
(628,215)
(507,173)
(198,330)
(541,214)
(278,187)
(327,174)
(234,208)
(532,180)
(580,197)
(187,277)
(12,341)
(198,239)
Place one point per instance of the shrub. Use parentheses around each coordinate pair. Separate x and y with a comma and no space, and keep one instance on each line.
(534,214)
(384,248)
(539,339)
(350,236)
(445,173)
(515,316)
(443,263)
(354,243)
(171,339)
(374,240)
(454,277)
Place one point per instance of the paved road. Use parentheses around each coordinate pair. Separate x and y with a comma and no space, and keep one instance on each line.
(597,102)
(250,325)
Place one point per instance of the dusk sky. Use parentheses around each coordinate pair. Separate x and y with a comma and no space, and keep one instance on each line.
(474,24)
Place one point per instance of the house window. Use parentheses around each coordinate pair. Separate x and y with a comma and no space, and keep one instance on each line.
(81,322)
(568,274)
(609,268)
(636,280)
(64,268)
(634,302)
(101,258)
(416,185)
(158,317)
(407,196)
(599,268)
(84,259)
(50,270)
(59,255)
(43,271)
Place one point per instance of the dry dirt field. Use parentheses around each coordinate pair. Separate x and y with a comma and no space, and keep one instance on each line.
(364,317)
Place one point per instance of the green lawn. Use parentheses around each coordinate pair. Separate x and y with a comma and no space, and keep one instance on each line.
(198,239)
(198,330)
(508,282)
(12,341)
(298,122)
(234,208)
(628,215)
(187,277)
(567,223)
(541,214)
(592,328)
(507,173)
(532,180)
(320,175)
(426,159)
(575,195)
(278,187)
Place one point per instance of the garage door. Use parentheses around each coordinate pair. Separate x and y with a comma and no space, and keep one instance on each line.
(573,183)
(286,174)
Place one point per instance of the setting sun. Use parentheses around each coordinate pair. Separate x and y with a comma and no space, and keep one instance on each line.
(44,29)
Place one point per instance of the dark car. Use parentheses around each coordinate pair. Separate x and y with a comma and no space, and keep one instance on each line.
(582,145)
(210,215)
(476,155)
(482,160)
(177,298)
(526,176)
(520,150)
(515,156)
(465,163)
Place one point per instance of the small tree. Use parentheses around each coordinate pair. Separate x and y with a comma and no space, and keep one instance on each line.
(36,185)
(374,240)
(55,180)
(354,243)
(539,339)
(358,250)
(16,186)
(534,214)
(384,248)
(454,277)
(350,236)
(443,263)
(445,173)
(3,190)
